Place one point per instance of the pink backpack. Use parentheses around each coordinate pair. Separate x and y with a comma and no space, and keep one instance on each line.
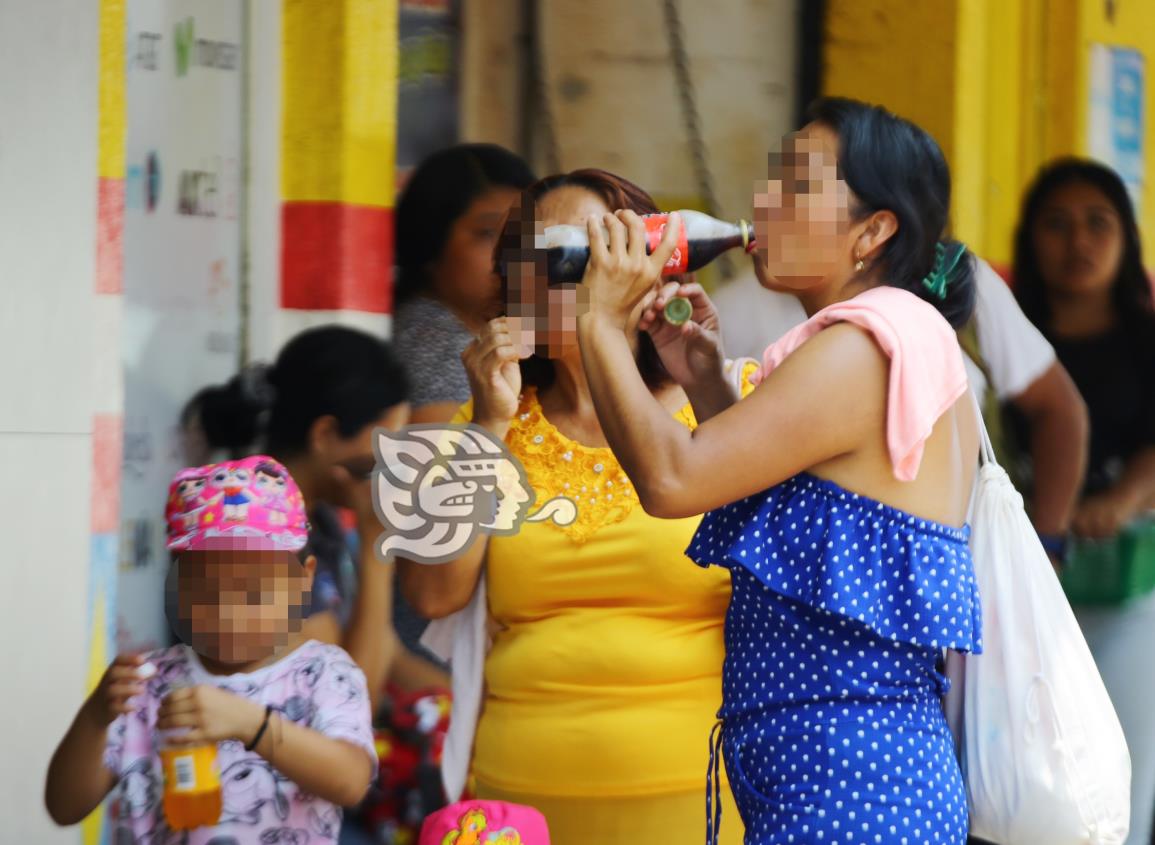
(485,823)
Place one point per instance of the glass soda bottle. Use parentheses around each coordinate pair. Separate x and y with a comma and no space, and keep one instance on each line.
(192,785)
(702,239)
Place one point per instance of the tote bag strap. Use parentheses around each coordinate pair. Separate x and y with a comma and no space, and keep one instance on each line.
(986,455)
(986,448)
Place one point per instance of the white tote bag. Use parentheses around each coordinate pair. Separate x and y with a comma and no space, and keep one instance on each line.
(1043,755)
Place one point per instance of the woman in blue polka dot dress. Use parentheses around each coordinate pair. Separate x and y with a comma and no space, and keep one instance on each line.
(836,493)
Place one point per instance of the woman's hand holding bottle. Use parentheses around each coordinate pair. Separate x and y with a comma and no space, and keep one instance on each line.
(692,352)
(620,274)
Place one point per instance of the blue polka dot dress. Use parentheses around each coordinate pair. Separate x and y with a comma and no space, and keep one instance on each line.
(832,727)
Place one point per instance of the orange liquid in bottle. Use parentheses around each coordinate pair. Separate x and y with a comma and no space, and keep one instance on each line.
(192,787)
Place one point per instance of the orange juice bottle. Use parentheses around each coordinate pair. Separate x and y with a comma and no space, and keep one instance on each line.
(192,785)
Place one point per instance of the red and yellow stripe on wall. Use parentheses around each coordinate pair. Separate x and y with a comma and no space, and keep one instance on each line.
(110,191)
(338,139)
(107,419)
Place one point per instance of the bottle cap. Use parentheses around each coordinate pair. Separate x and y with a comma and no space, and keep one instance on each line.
(678,311)
(747,235)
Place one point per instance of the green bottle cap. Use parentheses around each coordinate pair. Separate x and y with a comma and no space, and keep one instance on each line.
(678,311)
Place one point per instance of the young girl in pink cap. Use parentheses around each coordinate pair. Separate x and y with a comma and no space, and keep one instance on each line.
(289,718)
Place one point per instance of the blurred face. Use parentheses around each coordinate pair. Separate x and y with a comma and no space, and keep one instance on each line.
(1078,239)
(238,607)
(543,318)
(354,453)
(463,274)
(802,211)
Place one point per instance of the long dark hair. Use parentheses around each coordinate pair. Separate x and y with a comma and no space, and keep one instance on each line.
(1131,292)
(892,164)
(330,370)
(438,192)
(617,193)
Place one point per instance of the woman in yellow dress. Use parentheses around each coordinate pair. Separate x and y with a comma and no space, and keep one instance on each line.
(604,675)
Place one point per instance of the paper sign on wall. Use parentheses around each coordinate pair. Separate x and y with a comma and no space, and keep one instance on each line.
(1117,114)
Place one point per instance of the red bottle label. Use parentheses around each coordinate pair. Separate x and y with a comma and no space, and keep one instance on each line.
(655,228)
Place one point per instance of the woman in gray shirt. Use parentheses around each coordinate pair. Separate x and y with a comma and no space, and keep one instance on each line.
(448,219)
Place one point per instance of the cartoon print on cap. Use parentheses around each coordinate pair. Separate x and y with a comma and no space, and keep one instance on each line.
(254,498)
(269,483)
(233,482)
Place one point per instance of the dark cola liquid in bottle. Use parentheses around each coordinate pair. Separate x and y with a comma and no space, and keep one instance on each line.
(702,239)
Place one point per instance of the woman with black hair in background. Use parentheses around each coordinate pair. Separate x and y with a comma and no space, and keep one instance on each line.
(1079,277)
(448,220)
(836,494)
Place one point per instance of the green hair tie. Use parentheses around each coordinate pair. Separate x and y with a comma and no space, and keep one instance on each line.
(938,279)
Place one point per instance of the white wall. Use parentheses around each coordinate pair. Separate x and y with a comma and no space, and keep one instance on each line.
(181,269)
(48,189)
(264,197)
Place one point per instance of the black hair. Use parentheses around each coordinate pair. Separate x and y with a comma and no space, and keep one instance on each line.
(330,370)
(617,193)
(891,164)
(1131,293)
(438,192)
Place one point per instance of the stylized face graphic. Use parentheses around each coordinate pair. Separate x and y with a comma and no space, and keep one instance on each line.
(191,488)
(499,478)
(267,483)
(231,478)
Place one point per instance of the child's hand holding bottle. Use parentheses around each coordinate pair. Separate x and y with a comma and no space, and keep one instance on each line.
(207,714)
(121,683)
(191,721)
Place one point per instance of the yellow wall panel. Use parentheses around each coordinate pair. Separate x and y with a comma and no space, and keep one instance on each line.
(111,89)
(339,101)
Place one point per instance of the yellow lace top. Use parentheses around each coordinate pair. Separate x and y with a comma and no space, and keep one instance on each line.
(607,674)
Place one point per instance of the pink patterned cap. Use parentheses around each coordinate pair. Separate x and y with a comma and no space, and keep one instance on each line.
(485,823)
(250,504)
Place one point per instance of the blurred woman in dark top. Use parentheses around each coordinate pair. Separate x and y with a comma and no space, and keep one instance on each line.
(315,410)
(1079,276)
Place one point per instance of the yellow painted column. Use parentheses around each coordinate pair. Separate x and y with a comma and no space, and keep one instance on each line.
(338,141)
(898,54)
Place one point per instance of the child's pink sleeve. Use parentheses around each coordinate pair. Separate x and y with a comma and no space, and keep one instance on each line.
(342,703)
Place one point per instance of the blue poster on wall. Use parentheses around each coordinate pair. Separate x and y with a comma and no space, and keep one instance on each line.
(1117,114)
(1127,117)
